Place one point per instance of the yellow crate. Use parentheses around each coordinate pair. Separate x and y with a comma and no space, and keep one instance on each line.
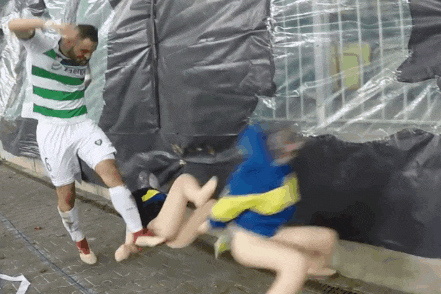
(349,63)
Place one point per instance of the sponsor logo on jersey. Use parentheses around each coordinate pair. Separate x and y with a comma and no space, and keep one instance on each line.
(75,71)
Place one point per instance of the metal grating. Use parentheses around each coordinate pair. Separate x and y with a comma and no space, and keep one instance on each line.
(318,287)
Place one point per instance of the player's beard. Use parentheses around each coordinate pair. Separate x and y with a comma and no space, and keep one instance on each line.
(71,55)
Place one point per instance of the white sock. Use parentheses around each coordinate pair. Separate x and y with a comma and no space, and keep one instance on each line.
(125,204)
(71,222)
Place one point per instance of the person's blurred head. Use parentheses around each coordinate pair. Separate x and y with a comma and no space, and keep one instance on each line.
(284,144)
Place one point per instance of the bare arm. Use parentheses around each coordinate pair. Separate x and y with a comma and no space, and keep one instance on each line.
(25,28)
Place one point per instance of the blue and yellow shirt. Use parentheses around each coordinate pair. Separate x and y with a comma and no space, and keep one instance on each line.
(262,195)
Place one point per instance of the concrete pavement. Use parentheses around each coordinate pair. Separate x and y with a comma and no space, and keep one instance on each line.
(33,242)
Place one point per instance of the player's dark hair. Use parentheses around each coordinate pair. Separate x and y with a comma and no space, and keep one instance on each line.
(88,32)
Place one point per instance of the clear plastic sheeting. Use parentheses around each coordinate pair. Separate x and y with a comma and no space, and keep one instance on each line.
(12,76)
(337,67)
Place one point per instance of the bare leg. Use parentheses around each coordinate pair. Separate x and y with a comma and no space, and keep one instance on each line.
(66,197)
(171,217)
(289,264)
(126,249)
(317,242)
(109,173)
(188,231)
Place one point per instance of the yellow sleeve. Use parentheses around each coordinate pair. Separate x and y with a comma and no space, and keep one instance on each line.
(271,202)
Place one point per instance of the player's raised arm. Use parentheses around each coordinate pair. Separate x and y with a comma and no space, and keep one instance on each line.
(25,28)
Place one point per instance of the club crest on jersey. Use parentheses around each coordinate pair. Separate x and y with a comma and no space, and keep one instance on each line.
(99,142)
(56,65)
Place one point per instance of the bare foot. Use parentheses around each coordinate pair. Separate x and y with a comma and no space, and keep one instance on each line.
(206,191)
(203,228)
(149,241)
(124,251)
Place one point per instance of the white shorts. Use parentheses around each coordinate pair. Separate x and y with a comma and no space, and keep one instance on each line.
(61,145)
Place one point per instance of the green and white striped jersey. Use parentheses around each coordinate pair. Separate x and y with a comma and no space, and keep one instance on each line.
(57,82)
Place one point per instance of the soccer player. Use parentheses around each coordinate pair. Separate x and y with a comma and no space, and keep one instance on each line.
(57,69)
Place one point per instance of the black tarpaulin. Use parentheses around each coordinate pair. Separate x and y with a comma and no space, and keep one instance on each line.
(383,193)
(37,7)
(211,69)
(424,61)
(130,116)
(177,95)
